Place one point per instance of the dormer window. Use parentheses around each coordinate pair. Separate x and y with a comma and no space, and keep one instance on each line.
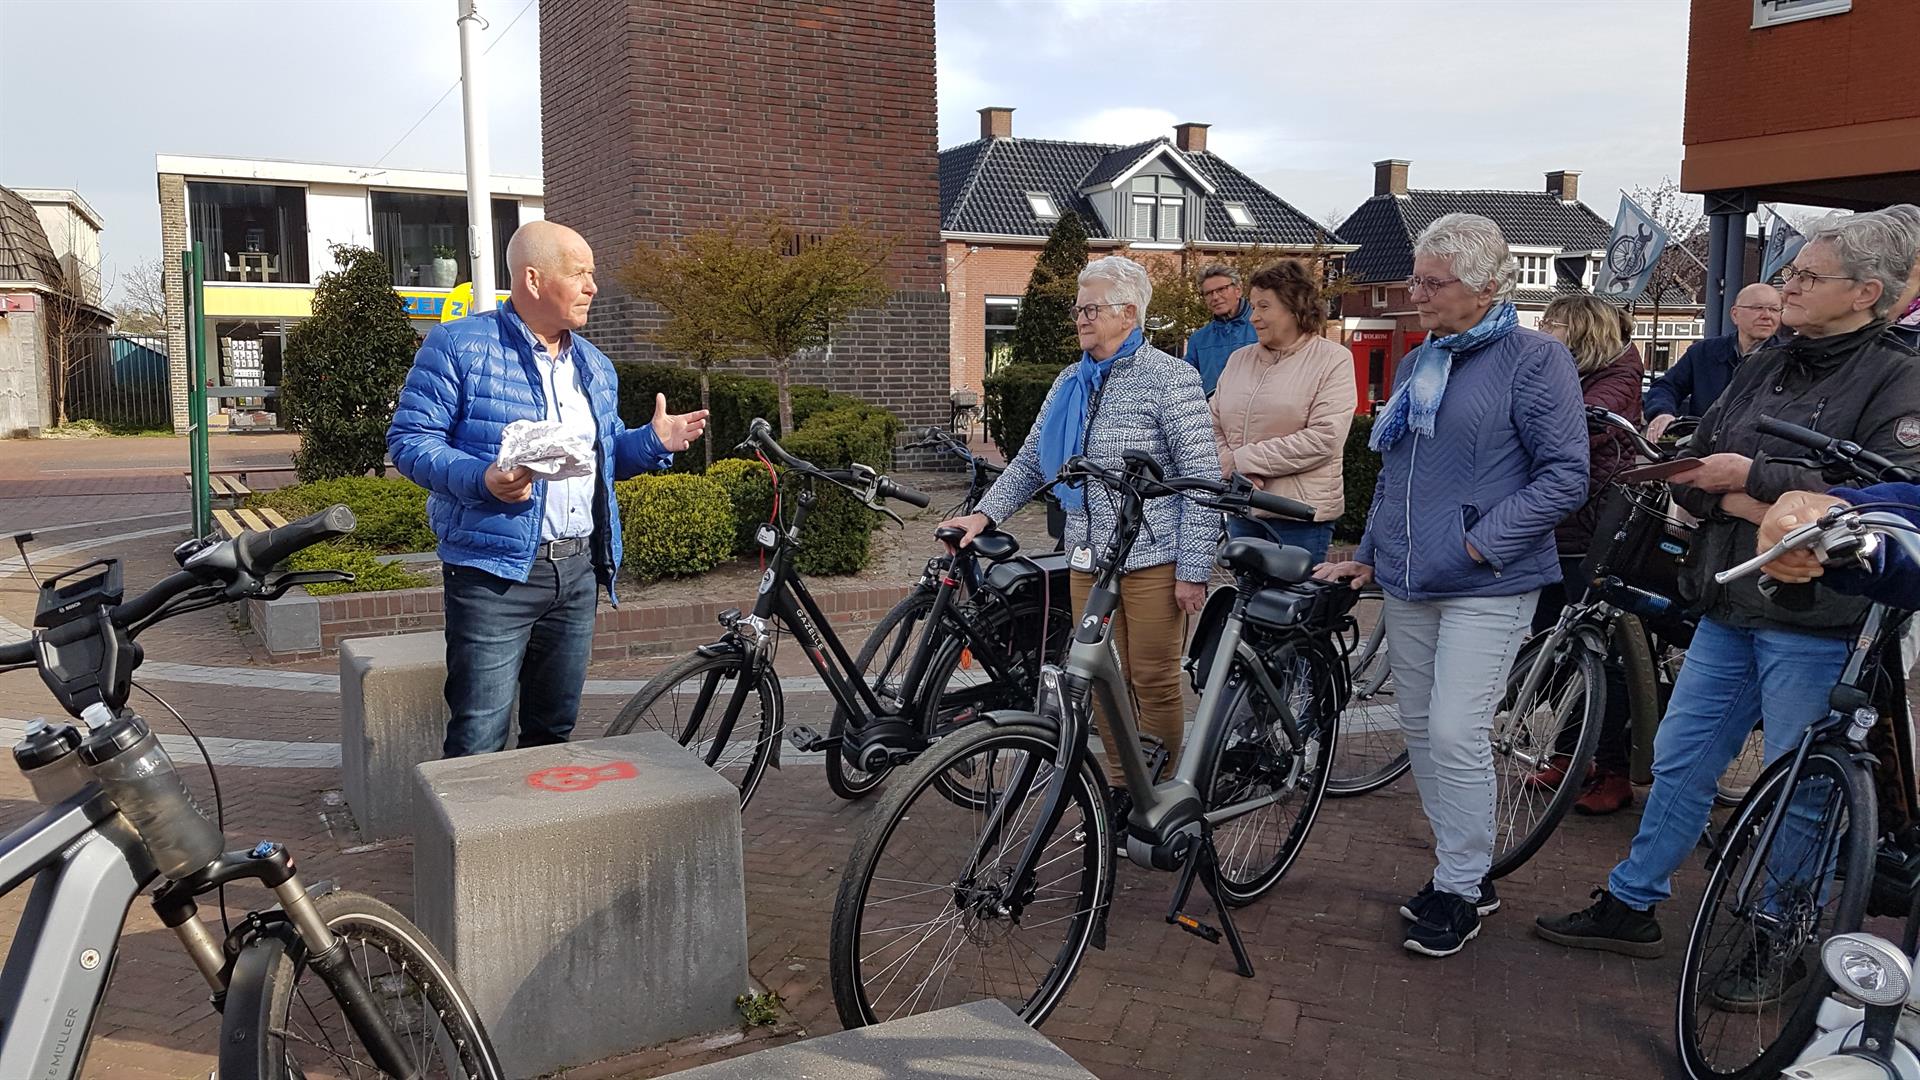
(1158,209)
(1043,207)
(1238,214)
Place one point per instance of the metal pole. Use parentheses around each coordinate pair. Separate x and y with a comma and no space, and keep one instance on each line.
(473,108)
(199,448)
(1736,265)
(1716,313)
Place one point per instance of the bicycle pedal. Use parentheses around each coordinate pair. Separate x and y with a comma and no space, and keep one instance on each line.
(1195,927)
(807,741)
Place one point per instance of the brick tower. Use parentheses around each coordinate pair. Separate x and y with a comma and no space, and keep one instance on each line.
(660,117)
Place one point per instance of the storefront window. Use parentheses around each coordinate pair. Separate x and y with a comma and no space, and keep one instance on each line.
(1002,312)
(424,238)
(250,232)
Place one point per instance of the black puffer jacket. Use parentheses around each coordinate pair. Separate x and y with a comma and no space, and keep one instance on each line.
(1863,386)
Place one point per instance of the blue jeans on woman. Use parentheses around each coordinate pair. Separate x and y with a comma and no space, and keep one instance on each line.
(1314,536)
(1732,678)
(529,638)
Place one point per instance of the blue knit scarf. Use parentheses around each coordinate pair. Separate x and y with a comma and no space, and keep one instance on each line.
(1417,400)
(1064,433)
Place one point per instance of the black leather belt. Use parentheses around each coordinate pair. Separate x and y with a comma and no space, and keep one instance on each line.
(555,550)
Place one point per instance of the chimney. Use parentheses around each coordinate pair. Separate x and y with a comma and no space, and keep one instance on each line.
(1564,184)
(1390,177)
(996,122)
(1191,138)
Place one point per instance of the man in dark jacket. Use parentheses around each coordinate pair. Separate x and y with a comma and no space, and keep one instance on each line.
(1690,387)
(1230,329)
(522,555)
(1752,659)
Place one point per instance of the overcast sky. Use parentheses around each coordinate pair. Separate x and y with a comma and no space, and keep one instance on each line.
(1302,94)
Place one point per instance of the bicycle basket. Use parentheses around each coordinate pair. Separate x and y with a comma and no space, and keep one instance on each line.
(1637,541)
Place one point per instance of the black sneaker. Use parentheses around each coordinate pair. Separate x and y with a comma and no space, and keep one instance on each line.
(1609,926)
(1488,903)
(1760,979)
(1446,924)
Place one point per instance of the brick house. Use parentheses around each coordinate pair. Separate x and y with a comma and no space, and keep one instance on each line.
(1557,240)
(1000,196)
(50,305)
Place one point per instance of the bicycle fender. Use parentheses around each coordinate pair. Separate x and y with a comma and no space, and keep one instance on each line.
(1009,717)
(241,1053)
(726,646)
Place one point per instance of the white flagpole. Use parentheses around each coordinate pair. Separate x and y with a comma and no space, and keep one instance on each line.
(473,109)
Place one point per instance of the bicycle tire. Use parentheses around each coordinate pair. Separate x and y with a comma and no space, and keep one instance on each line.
(847,780)
(1833,769)
(1250,756)
(1364,758)
(744,773)
(1521,745)
(909,799)
(261,1019)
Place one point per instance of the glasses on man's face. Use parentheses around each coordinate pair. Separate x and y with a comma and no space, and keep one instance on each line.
(1090,312)
(1429,285)
(1770,309)
(1807,279)
(1219,291)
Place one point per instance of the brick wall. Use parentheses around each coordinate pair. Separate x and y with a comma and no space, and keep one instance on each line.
(173,241)
(660,117)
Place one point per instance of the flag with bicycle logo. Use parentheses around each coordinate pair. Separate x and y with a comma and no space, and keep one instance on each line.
(1636,245)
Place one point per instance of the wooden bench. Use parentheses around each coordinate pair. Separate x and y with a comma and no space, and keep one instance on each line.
(233,523)
(228,489)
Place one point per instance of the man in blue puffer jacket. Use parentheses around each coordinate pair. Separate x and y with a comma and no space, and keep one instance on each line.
(522,556)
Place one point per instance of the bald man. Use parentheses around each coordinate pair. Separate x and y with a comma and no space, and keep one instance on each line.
(1691,385)
(523,557)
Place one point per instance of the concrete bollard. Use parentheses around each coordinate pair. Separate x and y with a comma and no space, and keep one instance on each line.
(393,716)
(590,895)
(983,1040)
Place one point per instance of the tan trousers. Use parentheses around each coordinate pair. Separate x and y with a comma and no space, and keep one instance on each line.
(1150,634)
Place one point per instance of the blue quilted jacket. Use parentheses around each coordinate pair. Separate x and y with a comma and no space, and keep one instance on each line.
(470,379)
(1506,462)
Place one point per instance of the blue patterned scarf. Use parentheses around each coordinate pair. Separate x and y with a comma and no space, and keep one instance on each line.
(1417,401)
(1064,433)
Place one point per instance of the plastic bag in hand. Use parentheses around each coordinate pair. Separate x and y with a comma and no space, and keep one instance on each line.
(546,448)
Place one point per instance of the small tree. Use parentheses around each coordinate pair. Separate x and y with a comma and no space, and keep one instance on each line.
(1043,332)
(693,282)
(1681,267)
(143,300)
(344,366)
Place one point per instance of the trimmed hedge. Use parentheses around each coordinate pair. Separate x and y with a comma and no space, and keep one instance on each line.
(369,573)
(674,526)
(751,490)
(391,511)
(1360,471)
(736,401)
(1012,403)
(838,534)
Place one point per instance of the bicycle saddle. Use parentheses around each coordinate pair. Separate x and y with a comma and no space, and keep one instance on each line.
(995,546)
(1281,565)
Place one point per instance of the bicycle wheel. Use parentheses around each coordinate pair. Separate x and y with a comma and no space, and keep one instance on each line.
(1371,750)
(1529,737)
(1752,982)
(1739,777)
(1257,760)
(924,917)
(281,1021)
(882,661)
(689,700)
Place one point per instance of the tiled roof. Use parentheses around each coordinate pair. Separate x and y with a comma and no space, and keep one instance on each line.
(1385,225)
(25,254)
(983,186)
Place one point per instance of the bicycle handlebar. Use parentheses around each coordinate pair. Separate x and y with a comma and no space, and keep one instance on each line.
(1861,463)
(1142,476)
(1842,532)
(859,479)
(1601,417)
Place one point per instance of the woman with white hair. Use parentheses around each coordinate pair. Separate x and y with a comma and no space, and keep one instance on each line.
(1483,451)
(1122,395)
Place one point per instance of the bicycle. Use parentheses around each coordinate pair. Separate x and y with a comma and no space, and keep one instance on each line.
(119,818)
(882,729)
(1021,878)
(1021,602)
(1751,985)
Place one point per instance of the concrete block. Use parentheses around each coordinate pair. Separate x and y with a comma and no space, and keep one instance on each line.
(288,625)
(590,895)
(393,716)
(983,1040)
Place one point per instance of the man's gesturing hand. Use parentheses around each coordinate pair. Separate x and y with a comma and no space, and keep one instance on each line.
(676,433)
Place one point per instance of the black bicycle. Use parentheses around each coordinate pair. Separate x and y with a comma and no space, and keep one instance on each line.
(724,701)
(982,589)
(337,984)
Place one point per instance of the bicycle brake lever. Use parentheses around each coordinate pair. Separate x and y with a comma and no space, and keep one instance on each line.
(278,587)
(874,504)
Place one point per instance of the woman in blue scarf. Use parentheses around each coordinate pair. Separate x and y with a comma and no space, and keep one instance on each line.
(1124,394)
(1483,451)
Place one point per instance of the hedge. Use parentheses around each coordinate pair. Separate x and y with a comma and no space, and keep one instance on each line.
(1360,470)
(674,525)
(391,511)
(1012,402)
(751,491)
(735,401)
(837,536)
(369,573)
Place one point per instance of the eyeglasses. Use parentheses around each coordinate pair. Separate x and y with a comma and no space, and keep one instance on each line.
(1555,324)
(1220,291)
(1090,312)
(1429,285)
(1771,309)
(1809,279)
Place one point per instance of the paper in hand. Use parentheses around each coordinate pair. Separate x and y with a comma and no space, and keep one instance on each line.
(545,448)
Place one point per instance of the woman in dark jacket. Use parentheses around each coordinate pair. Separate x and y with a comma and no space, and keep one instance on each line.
(1600,338)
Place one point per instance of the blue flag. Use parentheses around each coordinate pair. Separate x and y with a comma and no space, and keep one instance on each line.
(1636,245)
(1783,243)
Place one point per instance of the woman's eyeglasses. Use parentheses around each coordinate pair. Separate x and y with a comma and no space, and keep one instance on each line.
(1089,312)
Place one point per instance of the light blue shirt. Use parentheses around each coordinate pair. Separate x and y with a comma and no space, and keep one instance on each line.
(569,507)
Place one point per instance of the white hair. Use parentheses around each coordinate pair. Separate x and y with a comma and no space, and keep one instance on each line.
(1474,247)
(1878,246)
(1126,282)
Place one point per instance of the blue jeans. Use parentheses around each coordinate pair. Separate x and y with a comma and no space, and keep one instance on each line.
(1315,537)
(505,637)
(1731,679)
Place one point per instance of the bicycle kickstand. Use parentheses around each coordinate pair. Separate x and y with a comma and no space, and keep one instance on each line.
(1203,864)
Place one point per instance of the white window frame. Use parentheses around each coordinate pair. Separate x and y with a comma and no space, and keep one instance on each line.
(1043,206)
(1239,215)
(1168,194)
(1533,270)
(1780,12)
(1379,296)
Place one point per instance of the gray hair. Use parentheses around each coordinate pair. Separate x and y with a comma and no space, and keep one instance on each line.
(1219,270)
(1126,282)
(1474,247)
(1878,246)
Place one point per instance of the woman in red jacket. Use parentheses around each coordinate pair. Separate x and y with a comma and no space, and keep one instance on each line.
(1600,337)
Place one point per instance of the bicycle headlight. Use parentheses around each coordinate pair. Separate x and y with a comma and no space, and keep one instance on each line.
(1868,967)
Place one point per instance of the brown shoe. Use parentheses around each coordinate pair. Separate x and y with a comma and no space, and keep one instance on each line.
(1553,772)
(1608,792)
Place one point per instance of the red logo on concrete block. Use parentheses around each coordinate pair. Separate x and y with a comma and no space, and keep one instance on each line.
(580,778)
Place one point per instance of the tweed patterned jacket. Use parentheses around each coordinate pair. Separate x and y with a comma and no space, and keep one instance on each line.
(1152,402)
